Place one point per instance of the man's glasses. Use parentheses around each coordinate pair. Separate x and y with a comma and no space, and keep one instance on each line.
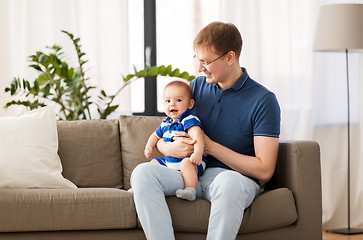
(206,64)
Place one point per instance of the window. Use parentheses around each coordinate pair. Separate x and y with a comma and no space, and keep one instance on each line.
(177,23)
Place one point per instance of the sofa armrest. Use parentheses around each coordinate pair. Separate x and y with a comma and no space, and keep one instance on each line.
(298,169)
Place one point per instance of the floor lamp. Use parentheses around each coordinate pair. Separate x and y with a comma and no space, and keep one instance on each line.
(340,29)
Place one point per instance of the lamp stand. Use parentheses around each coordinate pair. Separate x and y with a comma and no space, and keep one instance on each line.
(348,230)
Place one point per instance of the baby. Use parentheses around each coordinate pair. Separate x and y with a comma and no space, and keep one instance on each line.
(178,100)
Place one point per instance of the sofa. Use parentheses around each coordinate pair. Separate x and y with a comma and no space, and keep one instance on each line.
(98,156)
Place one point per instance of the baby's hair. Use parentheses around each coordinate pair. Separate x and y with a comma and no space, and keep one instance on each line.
(181,83)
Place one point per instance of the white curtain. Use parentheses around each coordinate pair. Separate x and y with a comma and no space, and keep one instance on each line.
(311,88)
(277,52)
(27,26)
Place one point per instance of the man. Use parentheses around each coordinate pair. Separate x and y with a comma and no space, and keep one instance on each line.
(241,122)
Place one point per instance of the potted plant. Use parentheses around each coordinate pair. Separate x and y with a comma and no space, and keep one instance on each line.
(68,87)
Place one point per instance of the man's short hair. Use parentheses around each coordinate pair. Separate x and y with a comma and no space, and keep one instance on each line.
(183,84)
(220,37)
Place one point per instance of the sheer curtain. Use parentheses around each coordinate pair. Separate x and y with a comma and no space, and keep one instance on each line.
(29,25)
(277,53)
(311,88)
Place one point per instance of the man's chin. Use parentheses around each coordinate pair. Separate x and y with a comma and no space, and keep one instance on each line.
(209,80)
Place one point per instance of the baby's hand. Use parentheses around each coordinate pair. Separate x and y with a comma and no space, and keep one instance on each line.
(148,152)
(196,159)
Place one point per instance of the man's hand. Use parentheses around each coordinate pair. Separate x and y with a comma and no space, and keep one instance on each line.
(183,137)
(207,143)
(182,146)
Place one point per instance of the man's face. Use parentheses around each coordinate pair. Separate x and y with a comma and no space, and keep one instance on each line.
(211,64)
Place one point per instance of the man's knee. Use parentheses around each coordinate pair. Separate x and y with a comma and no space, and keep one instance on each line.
(143,173)
(231,184)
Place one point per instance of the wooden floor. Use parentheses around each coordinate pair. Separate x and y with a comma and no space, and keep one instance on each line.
(334,236)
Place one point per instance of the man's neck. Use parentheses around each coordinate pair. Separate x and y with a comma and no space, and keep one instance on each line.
(231,79)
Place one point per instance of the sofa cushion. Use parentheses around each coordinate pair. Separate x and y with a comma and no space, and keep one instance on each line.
(66,209)
(270,210)
(28,151)
(134,133)
(90,152)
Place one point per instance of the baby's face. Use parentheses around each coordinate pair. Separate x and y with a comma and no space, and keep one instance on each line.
(176,101)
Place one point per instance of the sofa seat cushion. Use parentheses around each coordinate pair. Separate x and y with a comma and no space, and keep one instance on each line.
(66,209)
(272,209)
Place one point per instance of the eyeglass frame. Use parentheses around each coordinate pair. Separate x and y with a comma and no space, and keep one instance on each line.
(205,64)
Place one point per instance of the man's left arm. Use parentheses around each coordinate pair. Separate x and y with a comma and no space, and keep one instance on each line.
(260,167)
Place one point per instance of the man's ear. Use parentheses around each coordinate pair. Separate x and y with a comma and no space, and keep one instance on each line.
(231,56)
(191,103)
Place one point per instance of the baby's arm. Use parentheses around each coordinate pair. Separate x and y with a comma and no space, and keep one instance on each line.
(150,145)
(197,134)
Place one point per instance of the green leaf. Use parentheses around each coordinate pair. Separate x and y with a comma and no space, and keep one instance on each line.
(184,75)
(192,77)
(14,86)
(36,86)
(24,84)
(153,71)
(27,85)
(64,65)
(135,70)
(32,105)
(141,74)
(128,77)
(108,111)
(43,58)
(83,62)
(168,70)
(175,73)
(36,67)
(41,79)
(56,48)
(46,90)
(69,34)
(162,70)
(71,73)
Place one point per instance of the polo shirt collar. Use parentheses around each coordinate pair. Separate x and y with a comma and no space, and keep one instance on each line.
(241,81)
(180,118)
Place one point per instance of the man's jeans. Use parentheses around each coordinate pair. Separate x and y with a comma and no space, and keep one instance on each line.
(229,192)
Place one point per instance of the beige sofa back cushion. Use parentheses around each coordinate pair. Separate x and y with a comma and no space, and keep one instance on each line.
(134,133)
(90,152)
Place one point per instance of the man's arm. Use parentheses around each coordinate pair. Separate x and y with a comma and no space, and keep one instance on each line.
(260,167)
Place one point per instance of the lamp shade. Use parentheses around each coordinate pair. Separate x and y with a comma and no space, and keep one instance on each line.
(339,27)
